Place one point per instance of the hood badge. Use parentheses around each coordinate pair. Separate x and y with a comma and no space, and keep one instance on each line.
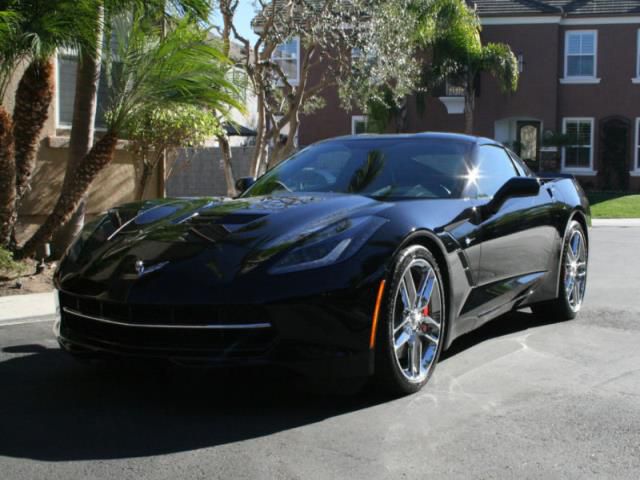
(143,270)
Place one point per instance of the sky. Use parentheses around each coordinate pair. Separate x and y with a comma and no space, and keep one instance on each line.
(244,14)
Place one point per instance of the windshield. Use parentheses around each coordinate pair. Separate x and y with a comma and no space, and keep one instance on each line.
(392,167)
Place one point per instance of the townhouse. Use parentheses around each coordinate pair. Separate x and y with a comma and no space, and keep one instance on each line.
(579,63)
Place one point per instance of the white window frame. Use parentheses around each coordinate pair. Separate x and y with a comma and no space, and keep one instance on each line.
(635,172)
(636,79)
(292,81)
(355,119)
(586,171)
(580,79)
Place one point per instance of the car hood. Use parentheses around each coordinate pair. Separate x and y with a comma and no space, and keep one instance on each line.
(211,241)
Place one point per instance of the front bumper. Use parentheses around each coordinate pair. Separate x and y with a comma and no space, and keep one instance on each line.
(322,336)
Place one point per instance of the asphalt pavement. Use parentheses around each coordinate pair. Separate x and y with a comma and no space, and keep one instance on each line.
(523,397)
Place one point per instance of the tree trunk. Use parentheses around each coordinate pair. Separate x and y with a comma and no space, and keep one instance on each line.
(7,178)
(469,107)
(226,166)
(33,98)
(147,169)
(401,116)
(282,151)
(260,157)
(99,157)
(82,130)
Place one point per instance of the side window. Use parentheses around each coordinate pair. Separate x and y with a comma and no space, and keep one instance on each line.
(494,169)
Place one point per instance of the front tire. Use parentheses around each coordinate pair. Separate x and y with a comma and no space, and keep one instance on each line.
(413,323)
(573,277)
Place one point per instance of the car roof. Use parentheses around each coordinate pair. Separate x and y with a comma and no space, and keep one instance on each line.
(427,135)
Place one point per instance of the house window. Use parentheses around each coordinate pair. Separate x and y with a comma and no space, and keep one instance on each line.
(239,78)
(358,124)
(520,63)
(580,58)
(357,54)
(67,66)
(287,55)
(578,154)
(454,88)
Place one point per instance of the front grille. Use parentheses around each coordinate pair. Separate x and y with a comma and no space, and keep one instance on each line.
(129,328)
(137,314)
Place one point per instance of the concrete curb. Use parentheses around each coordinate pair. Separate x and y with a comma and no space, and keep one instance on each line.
(616,222)
(34,305)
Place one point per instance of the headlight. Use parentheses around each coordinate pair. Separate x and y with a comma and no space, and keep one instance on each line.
(334,243)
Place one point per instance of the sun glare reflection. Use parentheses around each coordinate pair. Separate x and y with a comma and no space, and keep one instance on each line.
(472,176)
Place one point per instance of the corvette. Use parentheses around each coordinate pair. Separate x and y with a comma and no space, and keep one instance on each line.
(358,256)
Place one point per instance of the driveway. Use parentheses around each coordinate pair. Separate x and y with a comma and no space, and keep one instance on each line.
(520,398)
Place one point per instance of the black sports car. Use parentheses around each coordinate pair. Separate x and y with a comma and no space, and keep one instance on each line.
(357,256)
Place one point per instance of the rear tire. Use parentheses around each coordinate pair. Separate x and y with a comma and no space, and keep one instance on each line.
(412,326)
(572,278)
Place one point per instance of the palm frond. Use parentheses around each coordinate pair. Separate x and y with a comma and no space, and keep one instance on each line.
(43,26)
(9,55)
(185,67)
(197,9)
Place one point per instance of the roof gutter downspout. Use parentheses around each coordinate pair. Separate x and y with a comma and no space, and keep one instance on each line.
(560,72)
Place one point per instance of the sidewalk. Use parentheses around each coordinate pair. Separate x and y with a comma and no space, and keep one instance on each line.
(18,307)
(615,222)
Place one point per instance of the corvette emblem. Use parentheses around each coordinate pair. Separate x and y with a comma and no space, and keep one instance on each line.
(141,270)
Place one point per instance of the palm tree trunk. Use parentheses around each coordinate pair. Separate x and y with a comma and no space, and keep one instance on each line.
(7,178)
(94,162)
(82,130)
(33,98)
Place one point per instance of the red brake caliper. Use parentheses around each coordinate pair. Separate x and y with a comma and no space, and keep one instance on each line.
(425,313)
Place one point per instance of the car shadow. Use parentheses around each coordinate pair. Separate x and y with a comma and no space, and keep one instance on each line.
(55,409)
(507,324)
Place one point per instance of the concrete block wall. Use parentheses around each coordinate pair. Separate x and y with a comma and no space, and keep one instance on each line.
(196,173)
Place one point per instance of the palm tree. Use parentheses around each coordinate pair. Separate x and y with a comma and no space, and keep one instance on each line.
(8,26)
(182,68)
(30,32)
(87,79)
(44,27)
(458,52)
(497,60)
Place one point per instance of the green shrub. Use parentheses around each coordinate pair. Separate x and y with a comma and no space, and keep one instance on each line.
(8,265)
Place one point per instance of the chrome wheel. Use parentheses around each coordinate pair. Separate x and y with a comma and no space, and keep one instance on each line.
(575,270)
(417,320)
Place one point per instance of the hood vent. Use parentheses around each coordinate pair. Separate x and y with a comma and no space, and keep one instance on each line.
(215,228)
(239,218)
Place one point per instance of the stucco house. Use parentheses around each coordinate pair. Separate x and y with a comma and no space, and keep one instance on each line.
(116,184)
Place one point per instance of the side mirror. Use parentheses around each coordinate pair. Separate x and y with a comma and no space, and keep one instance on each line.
(515,187)
(244,183)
